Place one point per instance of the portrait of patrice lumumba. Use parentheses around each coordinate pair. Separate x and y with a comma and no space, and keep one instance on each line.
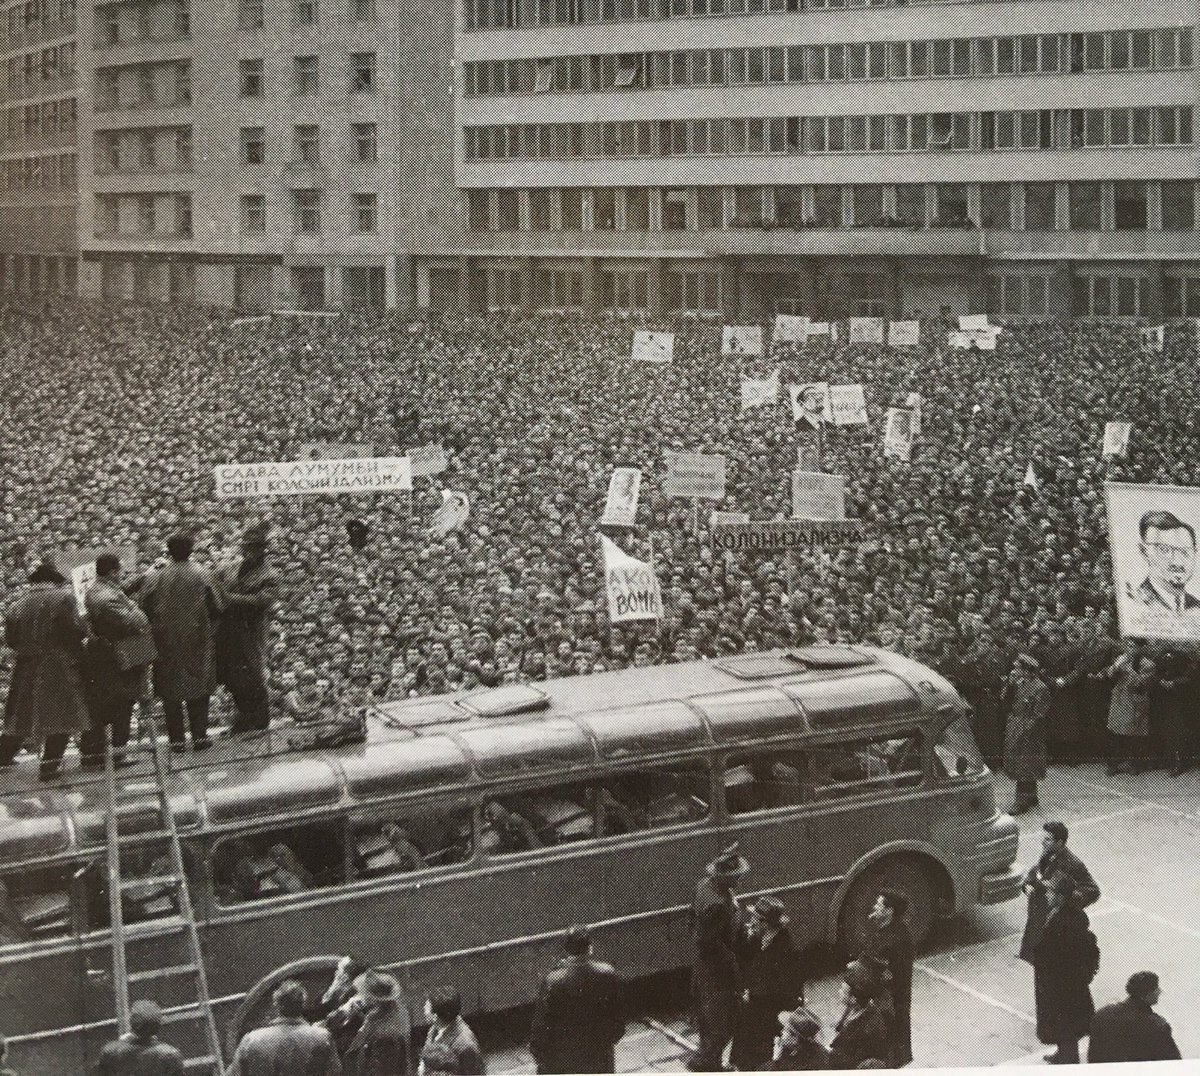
(1152,535)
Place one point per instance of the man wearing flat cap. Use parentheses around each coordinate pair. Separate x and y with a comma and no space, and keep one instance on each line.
(716,976)
(1025,732)
(249,590)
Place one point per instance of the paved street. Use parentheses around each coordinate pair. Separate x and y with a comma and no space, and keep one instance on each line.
(973,999)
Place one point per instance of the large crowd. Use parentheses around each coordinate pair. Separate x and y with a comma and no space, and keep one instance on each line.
(112,422)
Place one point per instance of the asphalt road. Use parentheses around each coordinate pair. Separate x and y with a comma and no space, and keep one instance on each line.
(972,997)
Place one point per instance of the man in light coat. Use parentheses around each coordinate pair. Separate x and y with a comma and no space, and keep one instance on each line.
(289,1044)
(46,698)
(1026,731)
(183,605)
(1133,675)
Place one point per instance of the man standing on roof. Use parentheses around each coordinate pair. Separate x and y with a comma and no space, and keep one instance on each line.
(716,977)
(249,590)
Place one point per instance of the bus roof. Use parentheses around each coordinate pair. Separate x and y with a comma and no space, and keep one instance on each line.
(451,741)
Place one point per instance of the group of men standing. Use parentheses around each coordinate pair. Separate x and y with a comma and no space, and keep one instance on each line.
(82,673)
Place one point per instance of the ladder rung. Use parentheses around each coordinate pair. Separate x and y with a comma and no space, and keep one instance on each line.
(209,1062)
(171,924)
(163,973)
(156,881)
(192,1011)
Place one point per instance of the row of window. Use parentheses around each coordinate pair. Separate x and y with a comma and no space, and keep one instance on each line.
(155,149)
(1169,205)
(33,274)
(304,82)
(306,209)
(920,132)
(362,148)
(1167,49)
(138,86)
(125,23)
(39,73)
(252,14)
(55,171)
(51,123)
(400,841)
(30,18)
(143,215)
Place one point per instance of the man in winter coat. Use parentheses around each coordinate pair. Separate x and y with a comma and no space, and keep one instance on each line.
(1056,859)
(450,1045)
(772,980)
(1131,1030)
(716,976)
(112,690)
(1133,675)
(46,698)
(249,593)
(578,1019)
(1025,731)
(141,1051)
(1063,968)
(289,1043)
(891,950)
(381,1046)
(183,605)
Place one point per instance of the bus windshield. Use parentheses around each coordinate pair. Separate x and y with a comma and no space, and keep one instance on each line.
(957,752)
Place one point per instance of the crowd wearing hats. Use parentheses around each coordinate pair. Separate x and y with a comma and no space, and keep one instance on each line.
(114,420)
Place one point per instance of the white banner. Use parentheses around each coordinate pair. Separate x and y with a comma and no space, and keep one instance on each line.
(898,437)
(718,517)
(742,341)
(810,402)
(624,491)
(293,479)
(656,348)
(695,475)
(818,496)
(1152,537)
(847,405)
(427,460)
(974,322)
(820,328)
(451,514)
(1116,438)
(984,339)
(866,330)
(1154,338)
(758,392)
(631,586)
(790,329)
(904,334)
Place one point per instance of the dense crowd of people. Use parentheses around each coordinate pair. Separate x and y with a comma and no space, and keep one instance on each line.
(113,421)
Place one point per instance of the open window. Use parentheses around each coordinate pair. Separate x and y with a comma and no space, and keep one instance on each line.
(761,780)
(862,766)
(956,750)
(669,794)
(400,841)
(541,818)
(35,905)
(257,866)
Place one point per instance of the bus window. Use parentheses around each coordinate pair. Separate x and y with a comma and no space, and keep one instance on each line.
(147,893)
(766,779)
(396,842)
(35,904)
(562,814)
(849,769)
(957,752)
(666,795)
(260,865)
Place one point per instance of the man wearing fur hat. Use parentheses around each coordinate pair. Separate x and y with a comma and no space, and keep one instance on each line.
(716,976)
(249,588)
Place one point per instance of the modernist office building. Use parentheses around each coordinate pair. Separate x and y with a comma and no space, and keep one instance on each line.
(828,157)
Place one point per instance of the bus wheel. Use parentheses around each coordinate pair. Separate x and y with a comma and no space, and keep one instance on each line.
(903,875)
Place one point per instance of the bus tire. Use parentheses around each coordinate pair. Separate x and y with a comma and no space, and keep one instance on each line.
(906,876)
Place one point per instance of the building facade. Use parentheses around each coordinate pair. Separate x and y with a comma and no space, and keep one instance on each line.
(38,160)
(827,157)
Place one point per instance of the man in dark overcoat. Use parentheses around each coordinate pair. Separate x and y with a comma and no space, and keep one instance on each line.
(578,1017)
(772,981)
(46,698)
(716,975)
(182,604)
(1025,731)
(1056,859)
(981,679)
(1131,1030)
(1063,968)
(1094,652)
(891,950)
(249,592)
(113,616)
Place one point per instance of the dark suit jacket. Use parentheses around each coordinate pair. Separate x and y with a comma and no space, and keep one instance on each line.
(715,919)
(775,972)
(578,1018)
(1087,892)
(1130,1031)
(1147,595)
